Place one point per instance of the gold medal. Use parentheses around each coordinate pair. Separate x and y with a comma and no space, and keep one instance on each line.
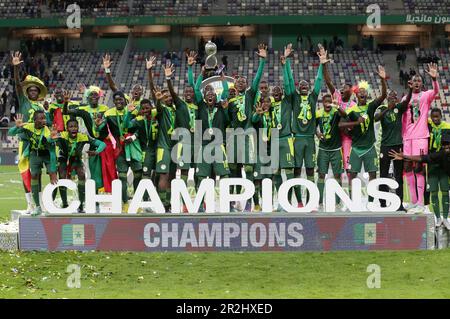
(395,110)
(210,131)
(305,121)
(244,117)
(192,130)
(279,126)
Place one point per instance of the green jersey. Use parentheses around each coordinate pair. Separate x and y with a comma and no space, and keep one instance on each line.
(72,147)
(146,130)
(391,125)
(166,119)
(186,114)
(88,114)
(328,123)
(115,123)
(213,117)
(281,116)
(304,107)
(241,108)
(28,107)
(363,135)
(436,134)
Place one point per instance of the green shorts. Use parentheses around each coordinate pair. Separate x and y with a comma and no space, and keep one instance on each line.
(370,160)
(164,163)
(74,162)
(304,150)
(219,168)
(183,153)
(325,158)
(286,152)
(38,161)
(245,153)
(437,179)
(149,157)
(122,164)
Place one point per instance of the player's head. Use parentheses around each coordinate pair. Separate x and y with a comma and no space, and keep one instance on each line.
(33,92)
(436,116)
(264,88)
(231,93)
(277,93)
(362,92)
(119,100)
(346,91)
(146,107)
(93,98)
(167,97)
(207,88)
(39,119)
(72,126)
(303,87)
(188,94)
(211,98)
(392,97)
(241,84)
(137,91)
(266,103)
(327,102)
(59,95)
(417,83)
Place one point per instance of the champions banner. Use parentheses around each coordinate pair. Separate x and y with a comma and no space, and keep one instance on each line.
(269,232)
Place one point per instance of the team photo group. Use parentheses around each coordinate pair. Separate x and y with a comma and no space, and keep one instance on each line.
(332,135)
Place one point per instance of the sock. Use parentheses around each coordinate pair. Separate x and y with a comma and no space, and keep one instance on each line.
(410,179)
(435,204)
(257,193)
(338,200)
(123,179)
(81,192)
(29,199)
(289,175)
(40,200)
(63,194)
(420,178)
(35,191)
(445,204)
(321,186)
(298,193)
(137,176)
(311,179)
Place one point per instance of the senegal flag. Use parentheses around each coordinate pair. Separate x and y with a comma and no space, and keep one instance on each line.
(369,234)
(78,235)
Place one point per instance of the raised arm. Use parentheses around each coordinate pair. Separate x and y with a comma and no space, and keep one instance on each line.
(192,56)
(16,60)
(326,75)
(382,74)
(150,63)
(290,75)
(408,97)
(197,87)
(433,73)
(16,129)
(106,65)
(262,53)
(226,89)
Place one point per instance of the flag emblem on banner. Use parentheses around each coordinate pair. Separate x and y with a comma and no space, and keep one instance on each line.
(369,233)
(78,235)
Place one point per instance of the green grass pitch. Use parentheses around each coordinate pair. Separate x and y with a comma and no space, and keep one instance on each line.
(413,274)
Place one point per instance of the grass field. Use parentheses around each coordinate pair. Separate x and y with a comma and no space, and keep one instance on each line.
(415,274)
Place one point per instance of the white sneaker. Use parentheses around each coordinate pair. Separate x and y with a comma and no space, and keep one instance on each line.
(438,222)
(427,210)
(446,223)
(419,209)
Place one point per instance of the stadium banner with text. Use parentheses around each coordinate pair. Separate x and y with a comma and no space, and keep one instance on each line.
(214,232)
(225,20)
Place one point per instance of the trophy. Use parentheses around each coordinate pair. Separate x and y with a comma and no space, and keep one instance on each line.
(211,60)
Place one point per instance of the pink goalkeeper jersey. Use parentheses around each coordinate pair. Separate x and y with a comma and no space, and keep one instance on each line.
(417,127)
